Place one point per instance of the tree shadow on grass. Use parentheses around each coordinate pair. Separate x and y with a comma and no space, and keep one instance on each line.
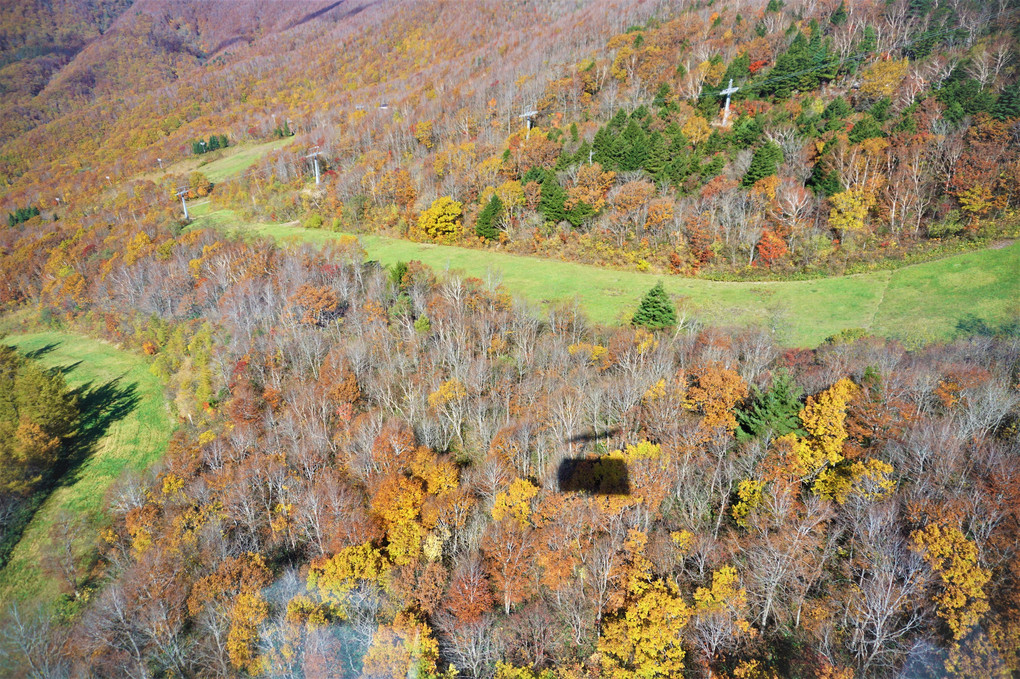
(64,370)
(971,324)
(100,406)
(41,351)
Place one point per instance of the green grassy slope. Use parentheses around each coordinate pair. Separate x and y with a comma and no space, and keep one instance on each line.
(128,426)
(975,287)
(221,164)
(236,162)
(921,302)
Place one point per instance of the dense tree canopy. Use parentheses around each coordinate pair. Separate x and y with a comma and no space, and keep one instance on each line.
(398,472)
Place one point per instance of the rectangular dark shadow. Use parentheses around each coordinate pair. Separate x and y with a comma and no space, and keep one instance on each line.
(597,476)
(593,435)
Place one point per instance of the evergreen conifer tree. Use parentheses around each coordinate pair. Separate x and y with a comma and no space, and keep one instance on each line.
(764,163)
(1008,104)
(602,146)
(865,128)
(581,156)
(635,147)
(839,17)
(551,199)
(579,213)
(658,156)
(618,122)
(617,153)
(656,310)
(837,109)
(485,227)
(776,410)
(661,96)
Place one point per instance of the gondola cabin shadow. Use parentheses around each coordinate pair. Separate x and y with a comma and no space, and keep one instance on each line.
(595,476)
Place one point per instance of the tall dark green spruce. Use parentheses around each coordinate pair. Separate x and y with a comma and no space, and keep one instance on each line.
(551,199)
(776,410)
(764,163)
(485,227)
(656,310)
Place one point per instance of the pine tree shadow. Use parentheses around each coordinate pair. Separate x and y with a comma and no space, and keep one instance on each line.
(41,351)
(63,370)
(99,407)
(971,324)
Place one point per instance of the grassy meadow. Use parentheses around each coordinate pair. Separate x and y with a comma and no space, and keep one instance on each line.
(220,164)
(126,425)
(917,303)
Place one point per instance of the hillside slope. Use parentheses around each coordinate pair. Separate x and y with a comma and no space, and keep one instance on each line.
(128,425)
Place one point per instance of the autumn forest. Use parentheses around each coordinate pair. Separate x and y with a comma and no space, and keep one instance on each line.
(298,379)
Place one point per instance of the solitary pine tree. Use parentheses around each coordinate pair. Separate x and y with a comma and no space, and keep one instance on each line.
(656,310)
(485,227)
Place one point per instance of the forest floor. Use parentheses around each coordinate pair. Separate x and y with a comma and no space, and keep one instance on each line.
(976,291)
(126,426)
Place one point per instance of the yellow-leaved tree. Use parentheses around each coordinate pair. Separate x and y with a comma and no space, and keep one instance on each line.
(750,493)
(404,648)
(818,457)
(868,479)
(441,221)
(961,599)
(720,613)
(249,612)
(641,638)
(397,503)
(824,418)
(882,79)
(334,578)
(849,210)
(515,502)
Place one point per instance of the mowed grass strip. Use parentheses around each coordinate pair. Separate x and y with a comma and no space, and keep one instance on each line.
(221,164)
(918,303)
(133,437)
(231,164)
(927,301)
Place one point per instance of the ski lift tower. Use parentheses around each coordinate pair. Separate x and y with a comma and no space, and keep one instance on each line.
(315,160)
(529,116)
(181,193)
(728,91)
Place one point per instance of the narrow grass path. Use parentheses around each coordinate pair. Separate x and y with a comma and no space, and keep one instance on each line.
(126,425)
(918,303)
